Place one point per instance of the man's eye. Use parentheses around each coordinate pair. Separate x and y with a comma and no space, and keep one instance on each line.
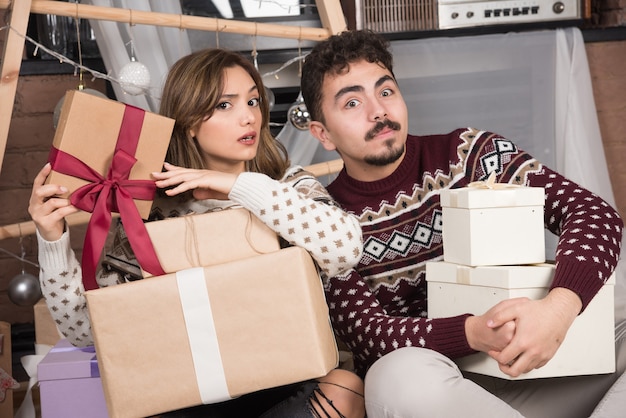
(386,92)
(352,103)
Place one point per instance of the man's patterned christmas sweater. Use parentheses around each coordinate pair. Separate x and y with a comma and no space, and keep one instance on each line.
(381,305)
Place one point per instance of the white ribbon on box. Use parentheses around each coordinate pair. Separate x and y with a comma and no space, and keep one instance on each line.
(490,183)
(463,274)
(509,195)
(30,363)
(205,350)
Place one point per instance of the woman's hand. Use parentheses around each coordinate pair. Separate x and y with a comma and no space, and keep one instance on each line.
(483,336)
(206,184)
(47,210)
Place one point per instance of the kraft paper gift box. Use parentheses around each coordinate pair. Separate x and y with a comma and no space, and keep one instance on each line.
(89,128)
(493,226)
(194,240)
(104,152)
(46,331)
(210,334)
(588,348)
(69,383)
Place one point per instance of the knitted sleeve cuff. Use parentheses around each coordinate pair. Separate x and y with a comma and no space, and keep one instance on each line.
(55,255)
(449,336)
(580,278)
(250,189)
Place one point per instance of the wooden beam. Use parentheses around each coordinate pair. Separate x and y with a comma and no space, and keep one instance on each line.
(140,17)
(22,229)
(332,16)
(326,168)
(12,53)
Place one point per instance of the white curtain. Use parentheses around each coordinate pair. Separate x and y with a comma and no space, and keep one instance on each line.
(579,148)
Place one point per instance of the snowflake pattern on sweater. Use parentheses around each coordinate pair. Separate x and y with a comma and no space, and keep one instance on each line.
(298,208)
(381,304)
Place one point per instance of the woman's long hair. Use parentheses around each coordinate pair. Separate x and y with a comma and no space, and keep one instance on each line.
(191,93)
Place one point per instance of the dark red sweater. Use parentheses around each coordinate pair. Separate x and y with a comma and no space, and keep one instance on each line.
(381,304)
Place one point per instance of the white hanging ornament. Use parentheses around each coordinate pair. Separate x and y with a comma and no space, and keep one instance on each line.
(134,78)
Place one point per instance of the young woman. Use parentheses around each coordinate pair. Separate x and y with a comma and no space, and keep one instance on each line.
(221,155)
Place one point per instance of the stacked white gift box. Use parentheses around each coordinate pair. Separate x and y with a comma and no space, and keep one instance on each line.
(494,249)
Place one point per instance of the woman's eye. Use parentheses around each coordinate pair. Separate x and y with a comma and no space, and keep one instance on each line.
(254,102)
(223,105)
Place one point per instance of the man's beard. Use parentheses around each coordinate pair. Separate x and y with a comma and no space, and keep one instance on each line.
(392,155)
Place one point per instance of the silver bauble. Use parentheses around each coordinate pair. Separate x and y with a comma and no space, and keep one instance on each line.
(59,106)
(24,290)
(271,98)
(299,115)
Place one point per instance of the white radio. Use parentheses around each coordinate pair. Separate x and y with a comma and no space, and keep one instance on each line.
(417,15)
(465,13)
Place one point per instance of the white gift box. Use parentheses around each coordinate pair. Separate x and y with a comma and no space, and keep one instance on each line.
(493,226)
(589,346)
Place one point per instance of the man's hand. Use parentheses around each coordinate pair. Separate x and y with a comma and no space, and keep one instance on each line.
(540,328)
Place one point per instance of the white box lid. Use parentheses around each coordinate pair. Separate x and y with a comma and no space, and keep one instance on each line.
(471,197)
(506,277)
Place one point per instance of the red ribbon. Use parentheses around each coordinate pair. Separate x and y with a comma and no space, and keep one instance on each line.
(115,193)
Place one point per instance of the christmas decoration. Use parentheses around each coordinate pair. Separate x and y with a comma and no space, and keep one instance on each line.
(134,78)
(299,115)
(24,290)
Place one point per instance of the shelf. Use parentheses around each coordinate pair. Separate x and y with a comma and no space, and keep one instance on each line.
(47,67)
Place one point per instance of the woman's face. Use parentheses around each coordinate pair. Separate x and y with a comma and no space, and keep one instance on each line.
(231,136)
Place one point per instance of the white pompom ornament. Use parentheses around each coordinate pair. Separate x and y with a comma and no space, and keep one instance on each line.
(134,78)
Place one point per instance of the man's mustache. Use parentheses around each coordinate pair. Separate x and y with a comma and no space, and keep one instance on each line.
(380,125)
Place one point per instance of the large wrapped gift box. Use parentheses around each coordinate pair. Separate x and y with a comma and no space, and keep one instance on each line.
(589,347)
(192,240)
(89,128)
(493,226)
(69,383)
(210,334)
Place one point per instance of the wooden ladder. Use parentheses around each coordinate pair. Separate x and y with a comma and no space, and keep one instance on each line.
(330,12)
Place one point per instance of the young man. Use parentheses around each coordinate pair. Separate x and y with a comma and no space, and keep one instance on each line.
(392,181)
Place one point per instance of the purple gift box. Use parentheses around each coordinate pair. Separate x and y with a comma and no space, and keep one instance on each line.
(69,383)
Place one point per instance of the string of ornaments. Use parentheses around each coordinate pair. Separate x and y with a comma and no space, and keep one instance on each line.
(134,77)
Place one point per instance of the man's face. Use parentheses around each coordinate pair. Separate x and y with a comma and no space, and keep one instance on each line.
(365,120)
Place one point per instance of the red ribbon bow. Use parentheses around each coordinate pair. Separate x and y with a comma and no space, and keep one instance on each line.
(115,193)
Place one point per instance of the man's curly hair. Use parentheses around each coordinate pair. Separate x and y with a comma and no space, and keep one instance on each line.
(333,56)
